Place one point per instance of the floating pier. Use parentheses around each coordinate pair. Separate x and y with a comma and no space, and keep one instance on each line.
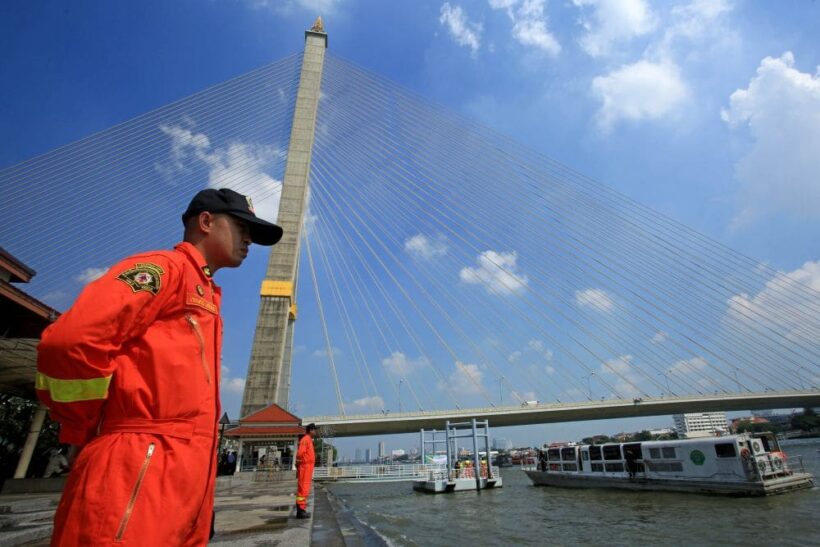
(453,476)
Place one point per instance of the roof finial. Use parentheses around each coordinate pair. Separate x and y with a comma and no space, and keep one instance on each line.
(318,26)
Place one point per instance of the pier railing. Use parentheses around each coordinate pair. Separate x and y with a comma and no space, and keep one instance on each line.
(375,473)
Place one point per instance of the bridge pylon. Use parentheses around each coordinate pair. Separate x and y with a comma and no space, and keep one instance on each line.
(269,370)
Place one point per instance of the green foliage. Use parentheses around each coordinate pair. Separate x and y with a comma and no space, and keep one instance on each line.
(320,446)
(808,421)
(16,414)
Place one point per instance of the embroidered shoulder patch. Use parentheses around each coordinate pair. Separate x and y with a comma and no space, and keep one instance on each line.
(144,276)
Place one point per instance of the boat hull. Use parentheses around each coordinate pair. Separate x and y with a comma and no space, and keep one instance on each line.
(438,486)
(777,485)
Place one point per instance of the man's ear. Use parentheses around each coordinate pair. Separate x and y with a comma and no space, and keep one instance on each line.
(205,221)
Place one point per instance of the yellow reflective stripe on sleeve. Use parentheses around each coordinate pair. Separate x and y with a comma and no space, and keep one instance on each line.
(69,391)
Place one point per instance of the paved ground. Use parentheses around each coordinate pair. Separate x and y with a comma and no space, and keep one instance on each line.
(248,514)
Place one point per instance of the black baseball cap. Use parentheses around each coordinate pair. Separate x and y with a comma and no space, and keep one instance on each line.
(235,204)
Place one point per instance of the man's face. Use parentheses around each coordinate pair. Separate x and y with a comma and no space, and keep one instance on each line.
(228,241)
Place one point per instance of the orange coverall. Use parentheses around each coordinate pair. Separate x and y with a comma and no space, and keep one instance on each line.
(131,372)
(305,461)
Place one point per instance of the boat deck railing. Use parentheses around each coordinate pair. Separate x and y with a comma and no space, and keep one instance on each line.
(377,473)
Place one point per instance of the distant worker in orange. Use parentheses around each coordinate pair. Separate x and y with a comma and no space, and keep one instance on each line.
(305,461)
(131,373)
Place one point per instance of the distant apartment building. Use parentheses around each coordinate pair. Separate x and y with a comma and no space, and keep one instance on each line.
(368,455)
(701,424)
(381,449)
(358,458)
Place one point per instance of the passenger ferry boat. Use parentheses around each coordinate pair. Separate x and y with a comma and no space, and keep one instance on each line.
(743,465)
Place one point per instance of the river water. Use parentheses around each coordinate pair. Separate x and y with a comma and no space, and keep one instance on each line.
(521,514)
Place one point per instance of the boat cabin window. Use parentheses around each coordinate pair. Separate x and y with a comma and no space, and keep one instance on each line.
(615,467)
(568,453)
(570,467)
(612,452)
(725,450)
(595,452)
(664,467)
(598,467)
(632,451)
(655,453)
(554,454)
(669,452)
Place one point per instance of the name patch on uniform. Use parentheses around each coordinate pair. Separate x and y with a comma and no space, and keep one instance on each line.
(144,276)
(194,300)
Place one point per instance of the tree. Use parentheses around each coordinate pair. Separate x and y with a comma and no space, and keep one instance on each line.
(806,421)
(15,421)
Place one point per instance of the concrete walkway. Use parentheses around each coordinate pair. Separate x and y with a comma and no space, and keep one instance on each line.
(248,514)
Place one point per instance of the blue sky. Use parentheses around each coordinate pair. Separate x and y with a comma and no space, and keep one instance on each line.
(708,112)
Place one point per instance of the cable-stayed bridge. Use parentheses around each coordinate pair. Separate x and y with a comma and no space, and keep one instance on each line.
(440,270)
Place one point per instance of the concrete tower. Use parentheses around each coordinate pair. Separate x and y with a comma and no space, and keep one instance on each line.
(269,371)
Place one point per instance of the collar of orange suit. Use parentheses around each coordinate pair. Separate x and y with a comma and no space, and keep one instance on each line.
(197,259)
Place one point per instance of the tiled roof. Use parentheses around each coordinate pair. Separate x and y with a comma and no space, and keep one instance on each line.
(272,414)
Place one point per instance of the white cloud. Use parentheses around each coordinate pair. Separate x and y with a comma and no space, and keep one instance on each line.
(420,246)
(781,109)
(688,366)
(464,32)
(497,272)
(229,385)
(549,369)
(239,166)
(530,25)
(775,305)
(536,345)
(626,377)
(644,90)
(233,385)
(698,21)
(660,337)
(465,379)
(613,22)
(514,357)
(598,299)
(90,274)
(323,352)
(399,365)
(366,403)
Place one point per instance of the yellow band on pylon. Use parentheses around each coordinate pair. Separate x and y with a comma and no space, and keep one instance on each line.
(292,312)
(277,288)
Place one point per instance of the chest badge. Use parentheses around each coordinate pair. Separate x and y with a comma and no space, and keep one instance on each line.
(200,291)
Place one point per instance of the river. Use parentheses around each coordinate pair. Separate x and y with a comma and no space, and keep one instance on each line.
(521,514)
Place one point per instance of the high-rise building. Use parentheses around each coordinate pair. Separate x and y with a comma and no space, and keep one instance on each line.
(358,455)
(381,449)
(368,455)
(701,424)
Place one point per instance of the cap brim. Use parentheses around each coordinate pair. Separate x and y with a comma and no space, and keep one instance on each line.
(262,231)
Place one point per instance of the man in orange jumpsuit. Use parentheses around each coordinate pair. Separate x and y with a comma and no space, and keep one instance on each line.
(305,461)
(131,372)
